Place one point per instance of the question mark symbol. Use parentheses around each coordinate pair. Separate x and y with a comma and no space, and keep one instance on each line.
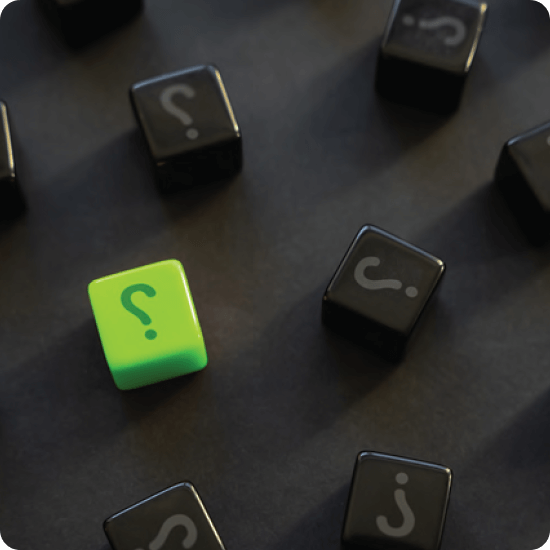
(169,106)
(408,515)
(171,523)
(369,284)
(445,20)
(126,299)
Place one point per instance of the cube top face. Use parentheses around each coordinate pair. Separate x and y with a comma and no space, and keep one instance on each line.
(7,163)
(385,279)
(170,520)
(531,153)
(396,502)
(184,111)
(443,34)
(148,324)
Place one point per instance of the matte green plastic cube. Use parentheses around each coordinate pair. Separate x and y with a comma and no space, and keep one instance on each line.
(148,324)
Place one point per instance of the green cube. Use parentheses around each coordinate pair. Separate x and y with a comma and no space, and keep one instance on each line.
(148,324)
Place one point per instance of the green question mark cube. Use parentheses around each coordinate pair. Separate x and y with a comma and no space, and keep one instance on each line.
(148,324)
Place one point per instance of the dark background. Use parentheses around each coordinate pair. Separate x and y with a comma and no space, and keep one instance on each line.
(270,430)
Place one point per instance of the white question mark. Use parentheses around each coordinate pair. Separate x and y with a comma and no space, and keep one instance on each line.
(408,516)
(172,522)
(167,104)
(445,20)
(369,284)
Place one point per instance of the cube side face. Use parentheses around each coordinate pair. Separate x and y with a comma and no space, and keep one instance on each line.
(530,152)
(7,162)
(159,369)
(388,492)
(148,324)
(220,161)
(517,192)
(178,507)
(381,340)
(12,203)
(418,86)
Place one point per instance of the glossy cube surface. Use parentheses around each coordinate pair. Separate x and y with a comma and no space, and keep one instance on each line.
(169,520)
(523,176)
(396,502)
(12,203)
(380,290)
(148,324)
(189,127)
(427,52)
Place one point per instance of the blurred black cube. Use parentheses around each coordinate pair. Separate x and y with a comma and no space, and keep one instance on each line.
(427,51)
(12,203)
(523,177)
(80,22)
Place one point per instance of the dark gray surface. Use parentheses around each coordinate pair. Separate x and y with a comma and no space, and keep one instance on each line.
(270,430)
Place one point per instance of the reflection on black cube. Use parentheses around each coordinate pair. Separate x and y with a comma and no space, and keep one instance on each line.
(173,518)
(82,21)
(396,502)
(427,51)
(12,203)
(189,127)
(523,176)
(380,290)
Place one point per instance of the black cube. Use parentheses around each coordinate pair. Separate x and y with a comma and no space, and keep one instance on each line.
(189,127)
(396,502)
(380,291)
(523,176)
(12,203)
(80,22)
(427,52)
(169,520)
